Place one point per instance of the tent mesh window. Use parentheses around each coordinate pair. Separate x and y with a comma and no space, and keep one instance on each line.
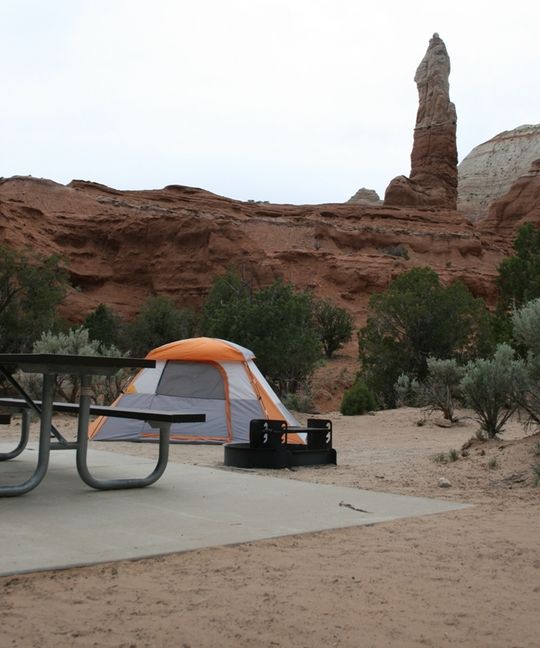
(191,380)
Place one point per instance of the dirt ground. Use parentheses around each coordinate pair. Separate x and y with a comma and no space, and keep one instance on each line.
(464,578)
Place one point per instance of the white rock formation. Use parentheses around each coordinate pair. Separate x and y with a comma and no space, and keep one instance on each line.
(492,167)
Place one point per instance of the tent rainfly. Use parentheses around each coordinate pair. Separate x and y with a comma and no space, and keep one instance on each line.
(215,377)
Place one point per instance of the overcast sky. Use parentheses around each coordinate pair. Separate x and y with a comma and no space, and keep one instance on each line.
(300,101)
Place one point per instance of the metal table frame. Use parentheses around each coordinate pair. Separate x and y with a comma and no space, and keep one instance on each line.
(50,365)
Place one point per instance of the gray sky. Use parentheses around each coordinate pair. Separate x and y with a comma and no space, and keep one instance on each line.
(300,101)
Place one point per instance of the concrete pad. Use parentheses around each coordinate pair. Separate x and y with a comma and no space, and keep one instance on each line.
(63,523)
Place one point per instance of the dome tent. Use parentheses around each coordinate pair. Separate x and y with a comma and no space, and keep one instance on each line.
(204,375)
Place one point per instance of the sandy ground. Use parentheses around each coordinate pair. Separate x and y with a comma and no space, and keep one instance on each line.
(467,578)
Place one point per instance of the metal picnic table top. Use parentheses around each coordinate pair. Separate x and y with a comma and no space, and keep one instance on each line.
(50,365)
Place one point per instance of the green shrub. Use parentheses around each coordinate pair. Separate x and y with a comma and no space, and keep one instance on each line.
(104,326)
(359,399)
(159,322)
(276,323)
(518,281)
(31,288)
(417,317)
(334,325)
(519,275)
(490,387)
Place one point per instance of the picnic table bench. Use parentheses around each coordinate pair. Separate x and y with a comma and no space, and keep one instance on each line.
(49,366)
(270,446)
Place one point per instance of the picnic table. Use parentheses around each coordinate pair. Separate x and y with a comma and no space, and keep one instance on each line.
(50,365)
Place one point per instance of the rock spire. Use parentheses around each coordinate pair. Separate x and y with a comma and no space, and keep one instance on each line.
(434,177)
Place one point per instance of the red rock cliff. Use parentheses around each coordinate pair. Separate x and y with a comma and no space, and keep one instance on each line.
(120,247)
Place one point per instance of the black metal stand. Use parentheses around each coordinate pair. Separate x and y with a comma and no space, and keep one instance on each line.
(269,446)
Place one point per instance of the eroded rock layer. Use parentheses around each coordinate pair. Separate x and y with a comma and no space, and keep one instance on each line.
(120,247)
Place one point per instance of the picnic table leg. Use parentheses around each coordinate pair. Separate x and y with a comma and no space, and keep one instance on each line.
(82,449)
(25,433)
(44,443)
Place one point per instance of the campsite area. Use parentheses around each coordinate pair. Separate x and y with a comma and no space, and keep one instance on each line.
(464,578)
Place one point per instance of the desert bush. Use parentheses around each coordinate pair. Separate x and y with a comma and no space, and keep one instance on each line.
(440,457)
(526,326)
(526,331)
(106,389)
(334,325)
(490,386)
(158,322)
(529,398)
(407,391)
(301,401)
(445,458)
(75,342)
(453,455)
(441,387)
(415,318)
(359,399)
(276,323)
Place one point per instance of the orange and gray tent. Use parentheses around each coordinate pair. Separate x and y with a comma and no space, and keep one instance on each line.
(202,375)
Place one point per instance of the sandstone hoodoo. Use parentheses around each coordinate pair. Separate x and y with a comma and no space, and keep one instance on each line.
(491,168)
(433,179)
